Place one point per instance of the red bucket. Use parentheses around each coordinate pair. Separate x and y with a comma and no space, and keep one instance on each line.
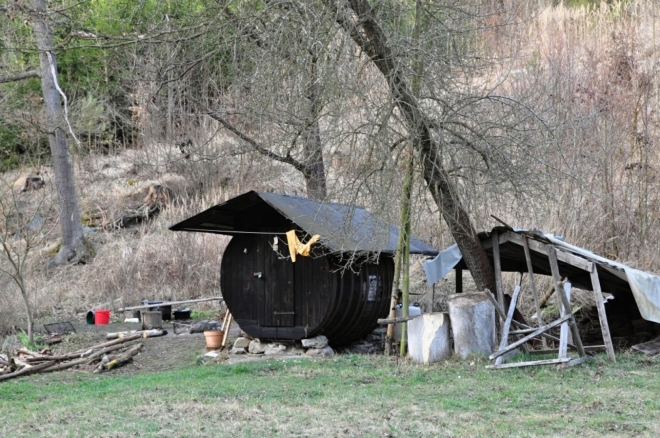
(101,317)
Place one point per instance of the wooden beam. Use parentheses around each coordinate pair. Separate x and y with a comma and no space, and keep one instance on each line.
(529,364)
(532,283)
(507,324)
(498,271)
(387,321)
(169,303)
(540,248)
(602,316)
(563,301)
(535,333)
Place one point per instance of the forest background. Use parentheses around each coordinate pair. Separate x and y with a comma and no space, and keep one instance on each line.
(545,114)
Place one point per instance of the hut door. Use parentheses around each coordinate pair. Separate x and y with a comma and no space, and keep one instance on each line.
(278,304)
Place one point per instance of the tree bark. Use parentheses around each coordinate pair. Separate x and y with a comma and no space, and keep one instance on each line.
(313,148)
(362,25)
(73,241)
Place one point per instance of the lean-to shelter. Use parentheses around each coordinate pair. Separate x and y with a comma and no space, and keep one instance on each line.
(339,290)
(634,311)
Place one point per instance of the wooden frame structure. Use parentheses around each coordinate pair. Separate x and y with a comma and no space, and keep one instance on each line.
(526,252)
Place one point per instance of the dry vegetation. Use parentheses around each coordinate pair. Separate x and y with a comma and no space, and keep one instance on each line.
(590,72)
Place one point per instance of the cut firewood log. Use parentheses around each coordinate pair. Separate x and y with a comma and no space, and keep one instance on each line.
(119,360)
(139,333)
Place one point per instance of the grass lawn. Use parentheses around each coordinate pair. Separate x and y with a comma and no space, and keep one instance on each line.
(348,395)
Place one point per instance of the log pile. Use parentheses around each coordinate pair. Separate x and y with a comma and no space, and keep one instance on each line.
(111,354)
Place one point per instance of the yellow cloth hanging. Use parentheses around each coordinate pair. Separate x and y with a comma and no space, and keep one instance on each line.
(296,247)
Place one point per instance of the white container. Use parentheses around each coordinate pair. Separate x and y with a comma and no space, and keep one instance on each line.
(412,311)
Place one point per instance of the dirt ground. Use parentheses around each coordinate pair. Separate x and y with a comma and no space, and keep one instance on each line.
(162,353)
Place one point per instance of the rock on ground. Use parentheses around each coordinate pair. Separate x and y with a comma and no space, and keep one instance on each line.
(326,351)
(315,342)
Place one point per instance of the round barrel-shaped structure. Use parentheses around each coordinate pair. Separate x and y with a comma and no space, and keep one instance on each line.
(272,297)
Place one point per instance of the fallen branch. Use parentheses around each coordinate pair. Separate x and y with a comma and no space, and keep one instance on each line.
(25,371)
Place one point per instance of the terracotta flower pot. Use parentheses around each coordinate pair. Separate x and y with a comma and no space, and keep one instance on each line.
(213,339)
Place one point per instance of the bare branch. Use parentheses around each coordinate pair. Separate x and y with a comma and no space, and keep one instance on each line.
(19,77)
(256,146)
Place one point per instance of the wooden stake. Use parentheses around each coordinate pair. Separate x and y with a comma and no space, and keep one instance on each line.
(226,330)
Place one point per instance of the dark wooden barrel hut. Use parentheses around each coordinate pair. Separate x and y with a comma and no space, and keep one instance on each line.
(339,290)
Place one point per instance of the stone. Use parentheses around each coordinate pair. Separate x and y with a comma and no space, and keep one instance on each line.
(256,347)
(205,326)
(315,342)
(274,349)
(242,343)
(239,350)
(326,351)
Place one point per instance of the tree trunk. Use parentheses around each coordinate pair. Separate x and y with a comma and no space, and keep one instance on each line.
(363,27)
(73,241)
(313,149)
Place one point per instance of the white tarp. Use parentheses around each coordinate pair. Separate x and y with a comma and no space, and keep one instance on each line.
(645,286)
(436,269)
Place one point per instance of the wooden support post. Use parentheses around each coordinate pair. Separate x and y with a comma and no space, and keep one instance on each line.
(532,283)
(563,330)
(507,324)
(498,272)
(459,281)
(563,301)
(600,305)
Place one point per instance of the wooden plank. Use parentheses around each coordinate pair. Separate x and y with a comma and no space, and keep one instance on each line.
(288,305)
(498,272)
(532,283)
(563,330)
(563,301)
(270,278)
(602,316)
(590,348)
(507,324)
(258,312)
(459,281)
(532,335)
(529,364)
(578,361)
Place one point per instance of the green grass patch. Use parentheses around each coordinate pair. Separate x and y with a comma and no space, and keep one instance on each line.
(346,395)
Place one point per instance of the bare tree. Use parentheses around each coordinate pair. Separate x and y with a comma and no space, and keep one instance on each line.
(73,240)
(23,227)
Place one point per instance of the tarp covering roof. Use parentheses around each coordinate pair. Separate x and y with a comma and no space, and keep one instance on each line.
(343,228)
(615,278)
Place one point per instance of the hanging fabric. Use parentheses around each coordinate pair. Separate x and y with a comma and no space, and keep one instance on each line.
(297,247)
